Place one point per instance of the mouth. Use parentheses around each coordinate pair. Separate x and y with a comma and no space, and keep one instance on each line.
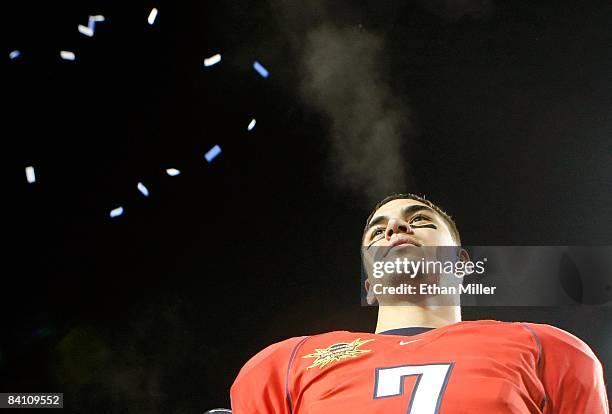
(400,241)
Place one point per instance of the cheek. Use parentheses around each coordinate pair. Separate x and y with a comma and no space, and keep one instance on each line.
(440,237)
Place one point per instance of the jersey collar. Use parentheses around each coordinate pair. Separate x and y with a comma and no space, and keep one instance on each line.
(406,331)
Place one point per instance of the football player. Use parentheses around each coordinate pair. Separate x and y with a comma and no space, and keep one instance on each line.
(422,359)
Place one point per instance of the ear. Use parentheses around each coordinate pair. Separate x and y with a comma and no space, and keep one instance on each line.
(463,255)
(370,297)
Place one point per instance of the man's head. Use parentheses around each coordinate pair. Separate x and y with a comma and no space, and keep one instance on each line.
(413,217)
(397,224)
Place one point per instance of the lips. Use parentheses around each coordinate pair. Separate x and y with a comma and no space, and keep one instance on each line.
(401,240)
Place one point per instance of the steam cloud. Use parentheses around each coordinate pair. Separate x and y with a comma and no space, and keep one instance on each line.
(344,77)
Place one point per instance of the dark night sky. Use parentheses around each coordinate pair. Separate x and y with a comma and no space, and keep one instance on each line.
(507,125)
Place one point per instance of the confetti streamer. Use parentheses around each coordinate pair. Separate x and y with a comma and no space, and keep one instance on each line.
(116,212)
(86,30)
(14,54)
(251,124)
(30,175)
(91,22)
(67,55)
(152,16)
(172,172)
(261,70)
(144,190)
(213,60)
(212,153)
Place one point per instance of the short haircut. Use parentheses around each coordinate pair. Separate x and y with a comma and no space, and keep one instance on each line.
(408,196)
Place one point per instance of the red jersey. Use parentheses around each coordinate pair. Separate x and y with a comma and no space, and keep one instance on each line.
(467,367)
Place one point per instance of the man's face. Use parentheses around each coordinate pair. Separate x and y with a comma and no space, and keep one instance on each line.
(407,221)
(405,229)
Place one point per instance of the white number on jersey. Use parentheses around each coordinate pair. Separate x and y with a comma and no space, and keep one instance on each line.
(427,394)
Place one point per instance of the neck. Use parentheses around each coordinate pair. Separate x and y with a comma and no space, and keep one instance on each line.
(395,317)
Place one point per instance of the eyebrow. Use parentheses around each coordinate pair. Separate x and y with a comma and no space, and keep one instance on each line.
(405,212)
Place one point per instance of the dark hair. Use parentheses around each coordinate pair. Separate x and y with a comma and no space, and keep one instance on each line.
(408,196)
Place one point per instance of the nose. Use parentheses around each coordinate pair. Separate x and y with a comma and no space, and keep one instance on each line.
(397,226)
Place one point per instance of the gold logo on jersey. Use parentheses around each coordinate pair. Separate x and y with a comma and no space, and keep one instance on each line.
(337,352)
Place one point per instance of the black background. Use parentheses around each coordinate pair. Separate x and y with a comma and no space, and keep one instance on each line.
(158,309)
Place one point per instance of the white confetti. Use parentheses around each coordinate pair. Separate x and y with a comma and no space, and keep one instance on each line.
(97,18)
(172,172)
(116,212)
(86,30)
(67,55)
(30,175)
(152,16)
(14,54)
(251,124)
(213,60)
(143,189)
(212,153)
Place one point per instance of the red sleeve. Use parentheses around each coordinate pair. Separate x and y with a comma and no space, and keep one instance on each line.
(571,373)
(261,384)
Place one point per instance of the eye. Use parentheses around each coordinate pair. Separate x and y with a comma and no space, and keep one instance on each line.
(376,232)
(419,217)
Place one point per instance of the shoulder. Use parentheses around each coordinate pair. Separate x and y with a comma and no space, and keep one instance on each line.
(544,337)
(560,351)
(571,373)
(552,337)
(275,354)
(539,331)
(281,353)
(495,330)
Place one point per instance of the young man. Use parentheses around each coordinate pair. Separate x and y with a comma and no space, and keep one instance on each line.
(422,359)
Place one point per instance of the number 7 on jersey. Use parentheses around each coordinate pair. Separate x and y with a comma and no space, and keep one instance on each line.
(428,389)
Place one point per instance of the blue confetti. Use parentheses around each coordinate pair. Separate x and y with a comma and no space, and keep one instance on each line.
(172,172)
(116,212)
(143,189)
(212,153)
(14,54)
(261,70)
(92,20)
(91,25)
